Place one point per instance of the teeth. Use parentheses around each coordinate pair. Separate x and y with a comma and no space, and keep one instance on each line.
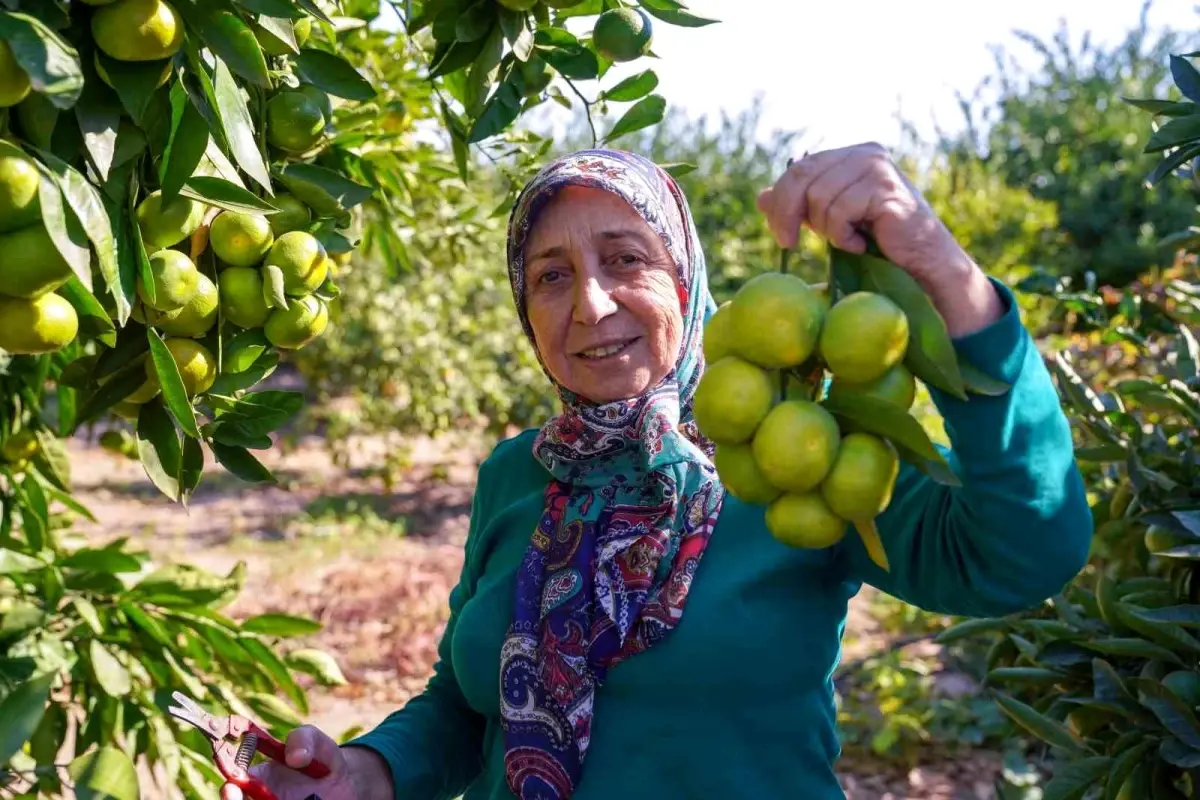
(601,352)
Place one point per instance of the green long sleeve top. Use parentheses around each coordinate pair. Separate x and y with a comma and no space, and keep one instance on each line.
(739,700)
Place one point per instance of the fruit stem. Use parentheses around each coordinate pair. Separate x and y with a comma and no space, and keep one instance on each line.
(784,254)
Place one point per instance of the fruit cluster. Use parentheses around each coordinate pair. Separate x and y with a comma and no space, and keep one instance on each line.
(761,401)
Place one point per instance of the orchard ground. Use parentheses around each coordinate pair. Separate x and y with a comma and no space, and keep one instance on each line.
(373,558)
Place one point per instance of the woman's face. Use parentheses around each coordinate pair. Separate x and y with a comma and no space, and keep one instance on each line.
(602,295)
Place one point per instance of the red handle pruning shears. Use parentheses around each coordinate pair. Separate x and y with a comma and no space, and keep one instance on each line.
(235,741)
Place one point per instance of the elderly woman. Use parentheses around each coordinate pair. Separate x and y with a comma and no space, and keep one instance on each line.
(623,627)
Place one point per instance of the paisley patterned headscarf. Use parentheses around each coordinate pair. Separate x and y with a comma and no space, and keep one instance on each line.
(628,513)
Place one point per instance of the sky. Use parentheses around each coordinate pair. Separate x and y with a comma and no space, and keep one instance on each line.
(841,70)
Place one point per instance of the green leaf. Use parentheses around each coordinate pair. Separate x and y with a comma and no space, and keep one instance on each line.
(51,63)
(1048,730)
(677,16)
(1072,779)
(1123,767)
(88,206)
(455,56)
(238,126)
(225,194)
(151,625)
(88,613)
(191,468)
(1178,131)
(104,774)
(500,112)
(1132,648)
(110,674)
(273,287)
(979,382)
(678,168)
(1187,616)
(281,625)
(187,145)
(516,30)
(1175,715)
(646,112)
(1035,676)
(845,272)
(183,585)
(273,711)
(632,88)
(571,61)
(1164,633)
(885,419)
(280,29)
(326,192)
(317,663)
(93,320)
(333,75)
(476,22)
(315,10)
(12,562)
(22,710)
(264,411)
(1180,755)
(159,449)
(968,628)
(65,231)
(135,82)
(101,559)
(173,391)
(1169,108)
(99,121)
(241,463)
(270,666)
(1186,78)
(931,355)
(1170,163)
(229,38)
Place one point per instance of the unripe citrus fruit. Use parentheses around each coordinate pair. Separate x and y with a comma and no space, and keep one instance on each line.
(731,400)
(535,75)
(741,476)
(295,326)
(319,98)
(242,301)
(518,5)
(240,240)
(859,485)
(20,446)
(167,224)
(796,444)
(175,280)
(294,121)
(103,75)
(41,325)
(138,30)
(118,442)
(31,263)
(198,314)
(864,335)
(14,81)
(896,386)
(127,409)
(622,34)
(301,258)
(776,320)
(196,364)
(804,520)
(19,205)
(718,334)
(292,215)
(1159,539)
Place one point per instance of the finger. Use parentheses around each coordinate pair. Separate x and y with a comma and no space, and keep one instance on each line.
(765,200)
(826,189)
(846,214)
(307,744)
(230,792)
(788,210)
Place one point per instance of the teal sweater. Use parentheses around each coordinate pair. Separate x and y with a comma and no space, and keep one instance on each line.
(738,701)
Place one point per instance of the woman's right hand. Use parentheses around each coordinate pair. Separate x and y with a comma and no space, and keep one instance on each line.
(302,746)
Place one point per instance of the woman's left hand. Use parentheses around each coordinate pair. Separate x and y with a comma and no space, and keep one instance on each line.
(845,193)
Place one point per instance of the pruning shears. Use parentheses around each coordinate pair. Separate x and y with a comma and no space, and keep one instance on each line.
(235,741)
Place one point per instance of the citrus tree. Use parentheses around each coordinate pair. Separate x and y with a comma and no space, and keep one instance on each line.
(181,183)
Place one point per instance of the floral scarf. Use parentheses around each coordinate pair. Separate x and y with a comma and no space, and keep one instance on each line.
(628,514)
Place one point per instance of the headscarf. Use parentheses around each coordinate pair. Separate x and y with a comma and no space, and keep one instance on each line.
(628,513)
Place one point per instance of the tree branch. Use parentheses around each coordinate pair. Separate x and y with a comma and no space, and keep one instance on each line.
(587,107)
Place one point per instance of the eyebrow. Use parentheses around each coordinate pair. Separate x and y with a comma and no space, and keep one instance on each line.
(613,235)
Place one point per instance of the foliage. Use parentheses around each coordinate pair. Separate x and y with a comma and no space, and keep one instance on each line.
(1060,130)
(93,639)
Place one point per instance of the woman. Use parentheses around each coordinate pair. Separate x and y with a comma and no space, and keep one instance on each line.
(623,627)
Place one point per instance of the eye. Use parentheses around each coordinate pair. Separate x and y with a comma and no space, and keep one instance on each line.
(550,276)
(629,259)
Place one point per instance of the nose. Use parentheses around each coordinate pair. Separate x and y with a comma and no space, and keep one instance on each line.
(593,301)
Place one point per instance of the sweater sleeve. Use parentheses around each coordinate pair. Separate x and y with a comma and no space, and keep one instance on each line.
(1019,527)
(434,744)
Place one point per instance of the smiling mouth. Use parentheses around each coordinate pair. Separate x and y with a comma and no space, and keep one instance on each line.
(607,351)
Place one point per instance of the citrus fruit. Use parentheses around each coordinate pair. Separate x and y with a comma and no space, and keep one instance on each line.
(242,300)
(741,475)
(295,326)
(196,363)
(796,445)
(294,122)
(14,81)
(622,34)
(535,76)
(896,386)
(1119,503)
(138,30)
(302,260)
(127,410)
(804,520)
(175,280)
(319,98)
(241,353)
(32,264)
(20,446)
(776,319)
(292,215)
(864,335)
(1185,684)
(119,442)
(19,205)
(731,400)
(167,224)
(518,5)
(859,485)
(102,73)
(198,314)
(1159,539)
(272,45)
(240,240)
(41,325)
(718,334)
